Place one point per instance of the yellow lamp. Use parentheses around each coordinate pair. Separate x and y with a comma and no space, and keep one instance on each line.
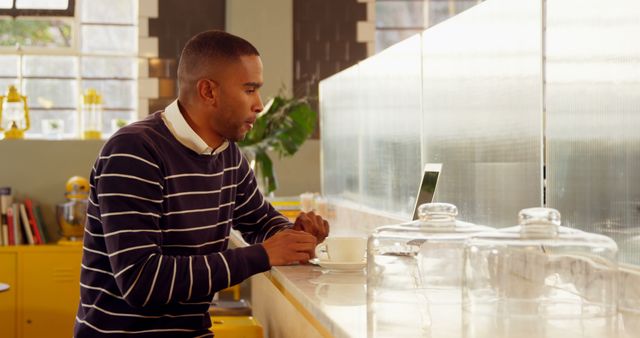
(91,115)
(14,114)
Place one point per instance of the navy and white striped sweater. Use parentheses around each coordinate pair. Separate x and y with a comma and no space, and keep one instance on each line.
(155,244)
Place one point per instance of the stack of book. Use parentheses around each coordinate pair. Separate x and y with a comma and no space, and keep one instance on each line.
(20,223)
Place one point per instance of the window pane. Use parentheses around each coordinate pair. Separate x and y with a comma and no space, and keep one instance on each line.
(109,11)
(6,3)
(438,12)
(42,4)
(109,39)
(37,33)
(399,14)
(52,124)
(115,94)
(111,67)
(113,120)
(51,93)
(386,38)
(50,66)
(5,83)
(9,65)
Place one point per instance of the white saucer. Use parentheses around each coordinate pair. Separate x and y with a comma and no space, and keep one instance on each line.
(341,265)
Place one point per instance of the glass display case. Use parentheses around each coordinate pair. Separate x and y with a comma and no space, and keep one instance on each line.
(414,275)
(540,279)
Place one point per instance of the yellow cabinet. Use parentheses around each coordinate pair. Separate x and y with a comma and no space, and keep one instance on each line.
(44,290)
(8,298)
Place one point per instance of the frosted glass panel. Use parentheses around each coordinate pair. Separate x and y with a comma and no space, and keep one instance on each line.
(52,124)
(6,83)
(115,94)
(109,11)
(109,39)
(109,67)
(482,109)
(593,117)
(50,66)
(340,114)
(9,66)
(51,93)
(391,123)
(42,4)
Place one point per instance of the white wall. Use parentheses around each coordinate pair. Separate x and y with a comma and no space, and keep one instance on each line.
(269,26)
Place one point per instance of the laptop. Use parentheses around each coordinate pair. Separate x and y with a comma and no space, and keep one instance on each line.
(428,184)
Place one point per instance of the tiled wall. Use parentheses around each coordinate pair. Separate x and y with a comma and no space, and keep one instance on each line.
(177,21)
(328,36)
(147,49)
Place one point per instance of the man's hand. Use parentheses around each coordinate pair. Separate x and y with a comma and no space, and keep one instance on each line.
(313,224)
(289,246)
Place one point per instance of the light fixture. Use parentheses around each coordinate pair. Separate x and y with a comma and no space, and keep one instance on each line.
(14,114)
(91,115)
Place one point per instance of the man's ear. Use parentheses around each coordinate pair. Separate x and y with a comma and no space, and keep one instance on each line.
(208,91)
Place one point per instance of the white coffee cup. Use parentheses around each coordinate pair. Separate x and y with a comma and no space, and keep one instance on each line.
(342,249)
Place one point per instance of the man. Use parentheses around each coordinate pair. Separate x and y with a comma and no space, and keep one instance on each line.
(165,193)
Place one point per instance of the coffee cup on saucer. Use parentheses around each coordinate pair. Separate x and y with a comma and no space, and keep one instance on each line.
(342,249)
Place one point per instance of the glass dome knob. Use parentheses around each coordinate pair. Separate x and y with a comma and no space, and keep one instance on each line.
(539,221)
(437,212)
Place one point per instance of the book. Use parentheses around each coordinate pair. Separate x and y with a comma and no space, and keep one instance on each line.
(5,204)
(11,227)
(5,235)
(26,227)
(17,225)
(28,205)
(37,212)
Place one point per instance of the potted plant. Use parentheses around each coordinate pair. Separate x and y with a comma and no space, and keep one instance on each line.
(283,126)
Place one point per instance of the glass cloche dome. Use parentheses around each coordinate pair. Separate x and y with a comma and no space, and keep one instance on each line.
(414,274)
(540,279)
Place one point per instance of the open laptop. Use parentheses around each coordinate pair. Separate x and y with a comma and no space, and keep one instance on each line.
(428,184)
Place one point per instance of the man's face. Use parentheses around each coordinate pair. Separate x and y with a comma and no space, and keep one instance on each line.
(238,98)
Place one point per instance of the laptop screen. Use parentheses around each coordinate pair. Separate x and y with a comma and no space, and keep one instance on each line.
(428,185)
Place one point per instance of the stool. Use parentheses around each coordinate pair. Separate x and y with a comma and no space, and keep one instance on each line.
(232,318)
(235,289)
(227,308)
(236,327)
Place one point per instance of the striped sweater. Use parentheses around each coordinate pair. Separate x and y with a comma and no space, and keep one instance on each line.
(157,232)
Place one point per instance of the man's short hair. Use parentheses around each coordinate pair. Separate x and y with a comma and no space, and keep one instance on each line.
(210,46)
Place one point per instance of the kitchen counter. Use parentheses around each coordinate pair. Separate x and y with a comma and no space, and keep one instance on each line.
(310,301)
(337,300)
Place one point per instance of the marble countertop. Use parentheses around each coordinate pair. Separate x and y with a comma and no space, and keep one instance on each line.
(337,299)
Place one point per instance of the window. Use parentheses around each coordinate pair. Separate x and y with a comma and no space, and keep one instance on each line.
(55,57)
(397,20)
(37,7)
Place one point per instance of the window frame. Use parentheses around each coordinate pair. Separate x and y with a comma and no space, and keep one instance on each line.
(73,51)
(15,12)
(73,48)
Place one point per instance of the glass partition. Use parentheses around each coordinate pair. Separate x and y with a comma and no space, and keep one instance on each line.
(478,98)
(340,125)
(593,117)
(482,109)
(391,122)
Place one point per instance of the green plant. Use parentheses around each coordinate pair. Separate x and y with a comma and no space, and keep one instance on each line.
(283,126)
(121,123)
